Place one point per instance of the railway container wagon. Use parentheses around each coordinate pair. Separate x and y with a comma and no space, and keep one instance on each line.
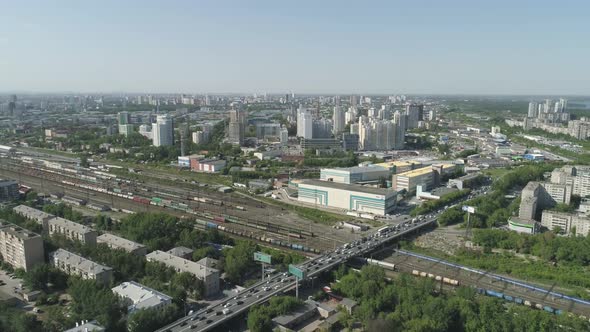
(141,200)
(549,309)
(211,225)
(494,293)
(518,300)
(416,272)
(508,298)
(219,219)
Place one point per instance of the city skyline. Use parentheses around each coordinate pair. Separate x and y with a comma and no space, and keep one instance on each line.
(521,48)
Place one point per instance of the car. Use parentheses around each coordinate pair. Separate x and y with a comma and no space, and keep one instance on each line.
(218,313)
(239,302)
(202,318)
(227,305)
(209,321)
(209,311)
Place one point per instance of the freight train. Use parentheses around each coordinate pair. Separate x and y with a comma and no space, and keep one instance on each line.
(448,281)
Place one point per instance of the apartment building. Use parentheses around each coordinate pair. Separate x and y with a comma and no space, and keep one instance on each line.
(72,230)
(138,296)
(117,242)
(568,223)
(42,218)
(19,247)
(73,264)
(209,276)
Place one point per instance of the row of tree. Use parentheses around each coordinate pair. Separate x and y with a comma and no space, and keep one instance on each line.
(415,304)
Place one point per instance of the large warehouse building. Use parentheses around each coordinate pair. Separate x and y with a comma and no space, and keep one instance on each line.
(355,174)
(347,196)
(428,177)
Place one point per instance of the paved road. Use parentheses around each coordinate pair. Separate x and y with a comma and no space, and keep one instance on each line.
(216,315)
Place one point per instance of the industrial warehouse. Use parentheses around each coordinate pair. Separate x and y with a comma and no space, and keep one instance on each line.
(347,196)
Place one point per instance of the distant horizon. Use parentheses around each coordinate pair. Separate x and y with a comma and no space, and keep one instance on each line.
(454,47)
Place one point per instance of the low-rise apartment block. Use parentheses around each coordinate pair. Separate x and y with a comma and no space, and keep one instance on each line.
(72,230)
(42,218)
(209,276)
(138,296)
(568,223)
(19,247)
(117,242)
(73,264)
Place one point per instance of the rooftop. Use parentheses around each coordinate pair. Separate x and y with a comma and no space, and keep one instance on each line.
(16,230)
(357,169)
(31,212)
(180,251)
(119,242)
(73,226)
(87,326)
(141,297)
(417,172)
(303,310)
(181,264)
(347,187)
(79,262)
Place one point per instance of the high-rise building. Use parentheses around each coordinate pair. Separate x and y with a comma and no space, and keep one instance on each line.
(264,130)
(385,112)
(237,125)
(163,131)
(19,247)
(304,123)
(284,136)
(322,128)
(400,130)
(351,115)
(12,105)
(339,120)
(414,113)
(533,109)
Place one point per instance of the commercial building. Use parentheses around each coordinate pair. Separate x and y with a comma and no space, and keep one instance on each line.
(465,181)
(321,144)
(209,276)
(237,125)
(137,296)
(266,130)
(19,247)
(527,226)
(304,123)
(400,166)
(163,131)
(427,177)
(355,174)
(116,242)
(347,196)
(207,165)
(72,230)
(42,218)
(73,264)
(126,129)
(568,223)
(8,190)
(185,161)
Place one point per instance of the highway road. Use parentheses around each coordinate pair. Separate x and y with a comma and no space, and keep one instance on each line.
(213,316)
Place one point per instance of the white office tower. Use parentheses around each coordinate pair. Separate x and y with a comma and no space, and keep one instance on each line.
(354,128)
(372,113)
(338,120)
(163,131)
(304,123)
(533,109)
(365,132)
(351,115)
(385,112)
(399,120)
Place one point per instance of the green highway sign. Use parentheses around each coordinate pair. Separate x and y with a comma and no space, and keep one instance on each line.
(262,257)
(297,272)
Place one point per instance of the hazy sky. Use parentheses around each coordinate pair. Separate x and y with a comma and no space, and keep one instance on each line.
(439,46)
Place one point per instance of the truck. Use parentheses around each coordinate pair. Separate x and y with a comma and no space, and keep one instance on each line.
(226,311)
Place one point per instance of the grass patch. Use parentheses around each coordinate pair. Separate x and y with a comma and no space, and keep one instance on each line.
(315,215)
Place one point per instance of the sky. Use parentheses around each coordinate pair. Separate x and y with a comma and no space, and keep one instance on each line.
(414,47)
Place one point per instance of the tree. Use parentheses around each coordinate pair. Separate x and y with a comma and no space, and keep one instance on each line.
(90,300)
(152,319)
(238,260)
(259,320)
(40,275)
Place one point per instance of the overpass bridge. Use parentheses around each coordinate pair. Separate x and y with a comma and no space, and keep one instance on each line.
(216,315)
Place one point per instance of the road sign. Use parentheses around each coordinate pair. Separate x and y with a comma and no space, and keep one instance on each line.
(262,257)
(468,209)
(297,272)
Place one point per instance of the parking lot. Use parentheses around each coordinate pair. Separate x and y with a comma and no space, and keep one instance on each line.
(10,286)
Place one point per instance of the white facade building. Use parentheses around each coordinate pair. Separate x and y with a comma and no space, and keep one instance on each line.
(163,131)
